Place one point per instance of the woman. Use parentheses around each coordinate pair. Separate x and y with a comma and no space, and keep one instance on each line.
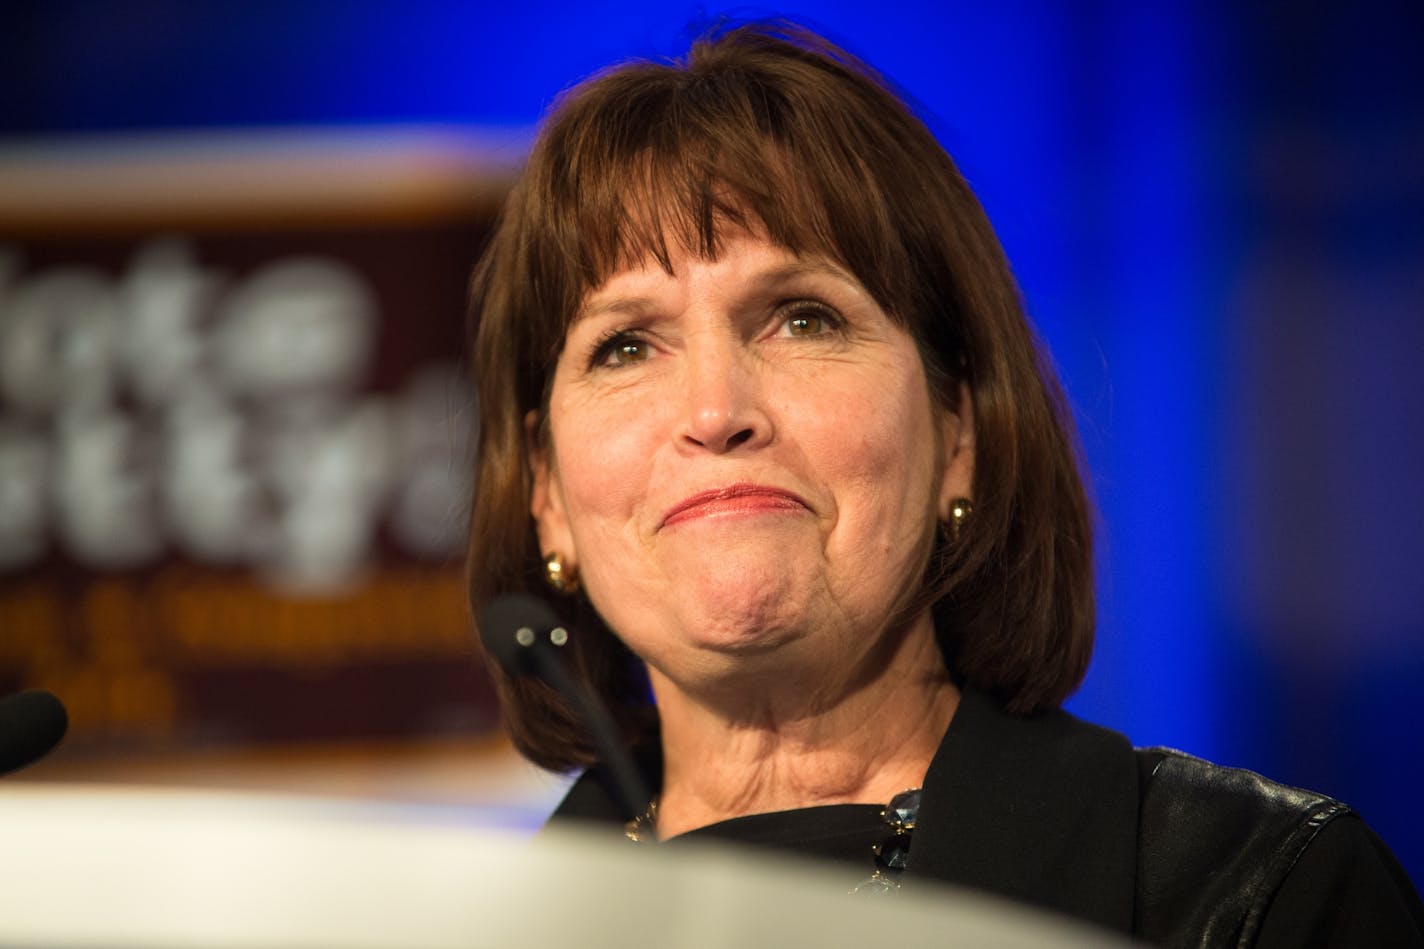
(751,356)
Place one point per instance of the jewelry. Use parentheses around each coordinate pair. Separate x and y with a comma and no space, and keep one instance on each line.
(561,579)
(644,827)
(959,511)
(891,854)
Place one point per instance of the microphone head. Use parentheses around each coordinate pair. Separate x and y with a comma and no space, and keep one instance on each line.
(513,626)
(31,723)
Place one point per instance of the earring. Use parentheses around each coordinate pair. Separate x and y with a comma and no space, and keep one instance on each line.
(959,511)
(562,580)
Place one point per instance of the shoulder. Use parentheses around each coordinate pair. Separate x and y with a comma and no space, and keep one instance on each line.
(1236,859)
(1179,791)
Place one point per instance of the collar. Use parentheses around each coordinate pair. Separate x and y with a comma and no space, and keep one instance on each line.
(1041,809)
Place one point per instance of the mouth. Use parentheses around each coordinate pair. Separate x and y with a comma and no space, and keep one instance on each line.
(734,499)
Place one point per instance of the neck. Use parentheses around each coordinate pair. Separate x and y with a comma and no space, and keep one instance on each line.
(859,744)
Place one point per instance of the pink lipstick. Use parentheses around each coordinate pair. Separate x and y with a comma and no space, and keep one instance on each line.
(733,499)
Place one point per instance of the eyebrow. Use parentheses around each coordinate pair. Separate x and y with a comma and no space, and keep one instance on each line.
(640,303)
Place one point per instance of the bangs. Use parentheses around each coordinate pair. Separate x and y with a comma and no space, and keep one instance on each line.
(687,196)
(675,201)
(685,158)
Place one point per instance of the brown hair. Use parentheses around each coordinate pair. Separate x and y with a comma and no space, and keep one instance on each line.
(766,124)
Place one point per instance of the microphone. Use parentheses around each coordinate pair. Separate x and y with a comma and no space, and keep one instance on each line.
(31,723)
(526,638)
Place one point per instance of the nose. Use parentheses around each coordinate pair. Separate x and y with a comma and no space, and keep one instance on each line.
(725,408)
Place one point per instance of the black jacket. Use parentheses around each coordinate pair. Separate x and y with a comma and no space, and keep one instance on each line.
(1169,848)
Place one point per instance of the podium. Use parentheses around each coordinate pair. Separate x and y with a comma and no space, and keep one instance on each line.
(91,867)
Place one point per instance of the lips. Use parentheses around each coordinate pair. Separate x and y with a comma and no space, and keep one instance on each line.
(732,500)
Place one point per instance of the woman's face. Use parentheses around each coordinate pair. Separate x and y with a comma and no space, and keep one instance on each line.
(745,465)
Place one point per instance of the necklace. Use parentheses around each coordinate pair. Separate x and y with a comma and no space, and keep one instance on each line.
(890,855)
(644,827)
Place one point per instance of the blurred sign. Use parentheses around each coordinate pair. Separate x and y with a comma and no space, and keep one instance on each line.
(235,455)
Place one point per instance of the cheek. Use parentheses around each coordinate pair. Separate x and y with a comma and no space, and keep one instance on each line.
(604,465)
(880,454)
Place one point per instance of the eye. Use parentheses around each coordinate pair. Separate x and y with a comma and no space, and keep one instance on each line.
(619,349)
(808,318)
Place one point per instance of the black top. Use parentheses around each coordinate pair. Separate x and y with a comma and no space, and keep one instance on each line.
(1066,816)
(843,833)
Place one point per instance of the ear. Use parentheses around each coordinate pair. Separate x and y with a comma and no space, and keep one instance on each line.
(546,499)
(957,442)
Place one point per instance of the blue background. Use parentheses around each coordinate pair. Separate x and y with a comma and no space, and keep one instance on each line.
(1217,215)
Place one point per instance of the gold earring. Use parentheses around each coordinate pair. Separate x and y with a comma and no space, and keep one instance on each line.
(959,511)
(562,580)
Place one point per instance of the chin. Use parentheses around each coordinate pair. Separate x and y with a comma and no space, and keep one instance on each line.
(727,626)
(742,598)
(741,638)
(737,604)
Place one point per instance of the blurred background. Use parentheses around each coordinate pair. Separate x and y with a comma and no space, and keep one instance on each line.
(234,421)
